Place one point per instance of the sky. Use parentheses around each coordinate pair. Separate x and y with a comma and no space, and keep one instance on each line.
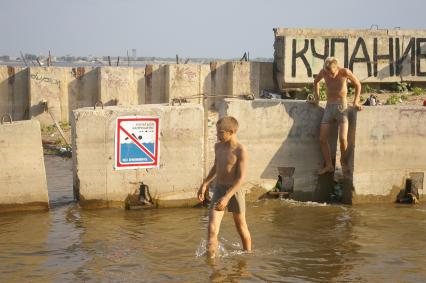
(190,28)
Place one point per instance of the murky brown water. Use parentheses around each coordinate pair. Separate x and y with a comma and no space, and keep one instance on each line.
(293,242)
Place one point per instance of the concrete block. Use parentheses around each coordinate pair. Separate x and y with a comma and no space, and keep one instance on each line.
(280,133)
(266,79)
(14,92)
(174,183)
(82,85)
(155,84)
(117,86)
(18,79)
(23,183)
(5,103)
(244,79)
(373,55)
(48,84)
(219,78)
(139,77)
(389,144)
(184,80)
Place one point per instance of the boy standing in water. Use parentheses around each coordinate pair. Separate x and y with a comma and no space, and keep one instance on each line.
(229,169)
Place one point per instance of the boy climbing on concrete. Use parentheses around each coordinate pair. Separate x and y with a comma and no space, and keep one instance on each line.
(229,169)
(336,109)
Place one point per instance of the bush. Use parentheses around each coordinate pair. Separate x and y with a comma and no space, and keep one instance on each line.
(368,89)
(48,129)
(392,100)
(322,92)
(399,87)
(418,91)
(351,90)
(404,96)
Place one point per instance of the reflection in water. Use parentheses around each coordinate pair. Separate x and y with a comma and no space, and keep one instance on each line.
(293,242)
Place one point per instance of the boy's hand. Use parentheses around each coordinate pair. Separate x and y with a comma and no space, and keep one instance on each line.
(311,101)
(222,203)
(202,192)
(357,106)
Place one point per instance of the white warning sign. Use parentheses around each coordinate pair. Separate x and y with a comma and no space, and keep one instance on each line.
(136,142)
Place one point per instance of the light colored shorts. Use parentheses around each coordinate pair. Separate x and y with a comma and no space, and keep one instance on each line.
(335,112)
(237,203)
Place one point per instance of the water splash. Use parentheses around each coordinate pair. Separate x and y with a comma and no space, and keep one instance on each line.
(222,251)
(304,203)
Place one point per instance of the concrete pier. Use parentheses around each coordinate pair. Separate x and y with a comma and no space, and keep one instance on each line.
(23,183)
(388,144)
(174,183)
(282,133)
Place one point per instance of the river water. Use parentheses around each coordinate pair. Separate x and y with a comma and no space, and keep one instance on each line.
(293,242)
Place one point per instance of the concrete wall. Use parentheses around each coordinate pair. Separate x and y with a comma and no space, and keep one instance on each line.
(82,88)
(67,88)
(185,80)
(244,78)
(181,156)
(48,84)
(373,55)
(155,84)
(23,183)
(280,133)
(120,86)
(14,92)
(389,143)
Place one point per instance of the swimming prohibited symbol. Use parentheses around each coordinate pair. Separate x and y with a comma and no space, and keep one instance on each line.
(136,142)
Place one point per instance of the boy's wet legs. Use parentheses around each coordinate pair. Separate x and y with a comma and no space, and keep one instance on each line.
(215,218)
(242,228)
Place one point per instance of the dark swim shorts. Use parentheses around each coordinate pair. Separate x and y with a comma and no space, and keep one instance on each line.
(237,203)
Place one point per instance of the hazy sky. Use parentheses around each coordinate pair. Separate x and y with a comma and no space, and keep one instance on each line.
(191,28)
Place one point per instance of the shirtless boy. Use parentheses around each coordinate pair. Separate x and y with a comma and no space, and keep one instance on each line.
(229,169)
(336,109)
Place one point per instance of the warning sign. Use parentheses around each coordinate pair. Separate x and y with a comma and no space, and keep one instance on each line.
(136,142)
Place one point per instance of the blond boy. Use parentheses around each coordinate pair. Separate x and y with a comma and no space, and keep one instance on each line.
(336,109)
(229,170)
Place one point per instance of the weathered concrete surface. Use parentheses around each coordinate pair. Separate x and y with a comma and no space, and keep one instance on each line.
(156,84)
(117,86)
(389,143)
(14,92)
(139,78)
(181,156)
(5,104)
(281,133)
(82,88)
(23,183)
(184,80)
(266,76)
(373,55)
(48,84)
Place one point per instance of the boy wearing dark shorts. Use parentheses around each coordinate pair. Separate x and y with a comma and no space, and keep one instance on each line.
(229,170)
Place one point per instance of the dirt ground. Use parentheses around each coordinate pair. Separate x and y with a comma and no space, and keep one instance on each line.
(404,98)
(52,141)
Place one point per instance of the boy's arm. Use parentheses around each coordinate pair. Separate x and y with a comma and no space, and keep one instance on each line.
(207,181)
(210,176)
(317,80)
(357,84)
(241,173)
